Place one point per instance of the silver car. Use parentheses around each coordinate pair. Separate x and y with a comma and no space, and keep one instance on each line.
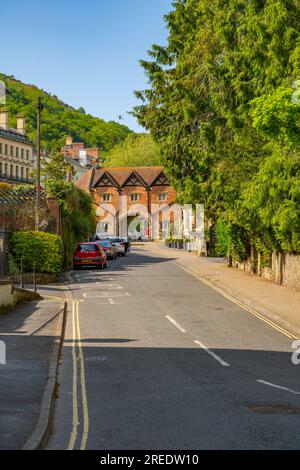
(119,245)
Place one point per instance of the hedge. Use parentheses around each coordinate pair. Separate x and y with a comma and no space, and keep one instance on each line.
(43,249)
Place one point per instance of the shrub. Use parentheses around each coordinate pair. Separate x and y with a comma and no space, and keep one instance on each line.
(43,249)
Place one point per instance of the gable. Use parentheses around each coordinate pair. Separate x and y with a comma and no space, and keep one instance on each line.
(106,181)
(134,180)
(161,180)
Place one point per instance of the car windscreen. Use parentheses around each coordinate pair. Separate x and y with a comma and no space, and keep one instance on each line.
(87,248)
(116,240)
(107,243)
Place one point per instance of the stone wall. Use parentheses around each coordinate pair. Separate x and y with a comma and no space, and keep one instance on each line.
(284,269)
(291,271)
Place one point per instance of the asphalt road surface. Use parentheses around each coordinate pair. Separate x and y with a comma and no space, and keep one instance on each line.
(154,359)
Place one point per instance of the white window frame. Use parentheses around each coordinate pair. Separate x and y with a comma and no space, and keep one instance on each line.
(107,197)
(162,197)
(134,197)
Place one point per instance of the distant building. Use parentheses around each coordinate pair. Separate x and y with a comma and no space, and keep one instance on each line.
(146,192)
(77,151)
(15,151)
(78,170)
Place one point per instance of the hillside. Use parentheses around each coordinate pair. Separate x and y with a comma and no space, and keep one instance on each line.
(60,119)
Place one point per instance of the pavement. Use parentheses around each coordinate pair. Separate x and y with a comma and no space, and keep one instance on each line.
(29,333)
(153,358)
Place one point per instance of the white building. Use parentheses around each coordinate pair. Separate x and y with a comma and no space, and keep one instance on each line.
(15,151)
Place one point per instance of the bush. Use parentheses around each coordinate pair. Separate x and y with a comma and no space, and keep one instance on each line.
(43,249)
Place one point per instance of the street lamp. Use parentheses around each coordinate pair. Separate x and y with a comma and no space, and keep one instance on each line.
(40,108)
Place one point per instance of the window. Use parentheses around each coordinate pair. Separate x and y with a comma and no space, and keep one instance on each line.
(87,248)
(0,148)
(11,151)
(134,197)
(22,153)
(6,149)
(11,170)
(17,151)
(22,172)
(162,197)
(27,154)
(106,197)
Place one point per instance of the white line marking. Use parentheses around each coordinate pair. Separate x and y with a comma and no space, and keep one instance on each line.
(278,386)
(84,295)
(101,295)
(240,304)
(175,324)
(211,353)
(111,301)
(110,286)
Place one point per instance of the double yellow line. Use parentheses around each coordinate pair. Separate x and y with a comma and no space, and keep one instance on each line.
(253,312)
(77,353)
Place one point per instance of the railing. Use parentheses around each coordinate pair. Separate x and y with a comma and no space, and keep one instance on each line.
(17,179)
(14,136)
(18,275)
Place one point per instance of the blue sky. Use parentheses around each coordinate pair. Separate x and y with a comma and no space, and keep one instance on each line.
(85,52)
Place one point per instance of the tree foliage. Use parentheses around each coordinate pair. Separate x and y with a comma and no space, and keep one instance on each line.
(135,150)
(219,106)
(59,119)
(78,214)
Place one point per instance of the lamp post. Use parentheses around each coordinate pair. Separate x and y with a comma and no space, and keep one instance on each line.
(38,163)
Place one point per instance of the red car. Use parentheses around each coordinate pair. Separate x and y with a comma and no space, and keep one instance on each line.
(89,254)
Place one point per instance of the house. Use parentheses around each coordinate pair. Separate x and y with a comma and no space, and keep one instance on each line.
(134,201)
(15,151)
(76,151)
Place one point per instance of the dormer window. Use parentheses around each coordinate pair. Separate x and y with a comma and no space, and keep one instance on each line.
(107,197)
(134,197)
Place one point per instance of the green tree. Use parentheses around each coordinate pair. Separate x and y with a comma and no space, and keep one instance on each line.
(218,103)
(60,119)
(55,177)
(136,150)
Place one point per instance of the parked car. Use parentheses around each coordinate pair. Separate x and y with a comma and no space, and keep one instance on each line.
(89,254)
(120,246)
(109,248)
(127,243)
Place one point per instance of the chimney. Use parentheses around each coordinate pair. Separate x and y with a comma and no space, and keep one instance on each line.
(69,140)
(21,124)
(4,118)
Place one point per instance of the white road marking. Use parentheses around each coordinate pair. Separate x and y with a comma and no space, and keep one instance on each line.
(175,324)
(212,354)
(111,301)
(279,387)
(84,295)
(110,286)
(101,295)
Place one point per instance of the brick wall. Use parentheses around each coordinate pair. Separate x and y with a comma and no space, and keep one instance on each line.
(145,200)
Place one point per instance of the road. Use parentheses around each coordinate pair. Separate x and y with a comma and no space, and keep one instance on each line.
(154,359)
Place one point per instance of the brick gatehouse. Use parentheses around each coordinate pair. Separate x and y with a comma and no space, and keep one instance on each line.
(146,193)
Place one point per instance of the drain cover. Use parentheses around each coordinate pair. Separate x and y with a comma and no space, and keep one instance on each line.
(282,409)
